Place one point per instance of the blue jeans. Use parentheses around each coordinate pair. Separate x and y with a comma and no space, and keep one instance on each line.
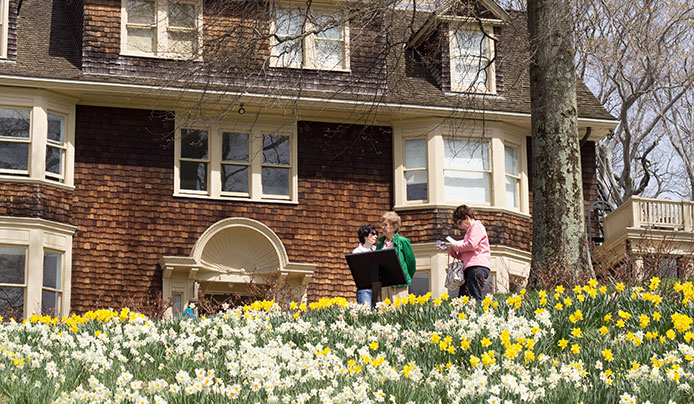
(364,296)
(475,282)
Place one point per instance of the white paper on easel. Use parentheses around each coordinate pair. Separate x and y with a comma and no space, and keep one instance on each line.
(450,239)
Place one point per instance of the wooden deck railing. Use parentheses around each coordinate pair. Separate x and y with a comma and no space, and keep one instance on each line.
(645,213)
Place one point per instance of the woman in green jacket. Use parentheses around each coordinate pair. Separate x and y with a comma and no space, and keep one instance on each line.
(390,223)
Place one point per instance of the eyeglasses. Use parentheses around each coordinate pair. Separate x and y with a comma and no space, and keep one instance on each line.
(373,233)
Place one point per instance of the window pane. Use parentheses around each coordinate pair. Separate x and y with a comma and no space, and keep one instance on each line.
(194,144)
(512,192)
(193,176)
(177,303)
(14,123)
(182,42)
(235,146)
(52,263)
(141,39)
(141,12)
(234,178)
(511,160)
(50,302)
(470,44)
(465,154)
(11,302)
(54,160)
(416,185)
(415,153)
(275,181)
(465,186)
(56,128)
(470,74)
(181,15)
(288,52)
(288,23)
(275,149)
(329,53)
(288,26)
(420,283)
(14,156)
(328,27)
(12,265)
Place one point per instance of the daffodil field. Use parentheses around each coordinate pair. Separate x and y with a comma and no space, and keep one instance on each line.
(590,344)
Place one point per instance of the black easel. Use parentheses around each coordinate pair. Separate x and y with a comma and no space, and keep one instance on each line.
(376,269)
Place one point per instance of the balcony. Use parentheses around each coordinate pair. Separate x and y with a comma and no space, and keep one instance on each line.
(643,213)
(644,227)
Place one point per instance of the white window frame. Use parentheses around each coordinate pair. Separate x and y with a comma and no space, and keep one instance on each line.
(40,104)
(516,177)
(61,146)
(27,141)
(256,130)
(490,171)
(37,236)
(407,170)
(161,29)
(4,30)
(490,87)
(308,42)
(436,130)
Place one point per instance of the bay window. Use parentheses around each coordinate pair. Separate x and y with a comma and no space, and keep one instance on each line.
(161,28)
(237,161)
(35,267)
(443,163)
(314,40)
(36,137)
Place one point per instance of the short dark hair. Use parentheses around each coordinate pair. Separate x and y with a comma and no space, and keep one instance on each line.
(462,212)
(364,231)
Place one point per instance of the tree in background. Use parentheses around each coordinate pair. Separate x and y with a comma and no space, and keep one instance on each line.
(680,130)
(636,56)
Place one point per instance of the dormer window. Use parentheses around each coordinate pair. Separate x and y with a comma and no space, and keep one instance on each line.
(317,40)
(161,28)
(472,60)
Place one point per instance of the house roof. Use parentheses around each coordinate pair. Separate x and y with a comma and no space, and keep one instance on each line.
(47,48)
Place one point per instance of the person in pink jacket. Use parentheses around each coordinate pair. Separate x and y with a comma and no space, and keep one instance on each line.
(473,250)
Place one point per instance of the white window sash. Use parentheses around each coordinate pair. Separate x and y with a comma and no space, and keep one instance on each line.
(161,29)
(255,165)
(483,61)
(309,57)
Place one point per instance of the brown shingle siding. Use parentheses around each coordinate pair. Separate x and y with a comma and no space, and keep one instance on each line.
(426,226)
(21,199)
(128,219)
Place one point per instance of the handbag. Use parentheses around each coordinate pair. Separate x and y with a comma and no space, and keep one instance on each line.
(455,274)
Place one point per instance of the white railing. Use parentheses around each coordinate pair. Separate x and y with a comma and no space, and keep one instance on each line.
(645,213)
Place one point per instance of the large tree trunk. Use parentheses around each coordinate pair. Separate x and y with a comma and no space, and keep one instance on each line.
(559,236)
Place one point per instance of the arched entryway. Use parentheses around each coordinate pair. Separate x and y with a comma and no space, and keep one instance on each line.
(228,256)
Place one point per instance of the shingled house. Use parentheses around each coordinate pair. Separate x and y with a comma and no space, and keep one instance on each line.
(148,146)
